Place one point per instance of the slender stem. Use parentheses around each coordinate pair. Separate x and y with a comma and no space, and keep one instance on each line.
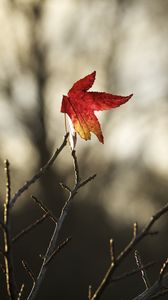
(58,249)
(9,273)
(29,228)
(123,254)
(155,289)
(112,251)
(76,168)
(132,272)
(53,241)
(41,172)
(50,250)
(142,269)
(20,292)
(45,209)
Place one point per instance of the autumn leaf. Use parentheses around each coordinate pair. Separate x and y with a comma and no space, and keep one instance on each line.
(80,105)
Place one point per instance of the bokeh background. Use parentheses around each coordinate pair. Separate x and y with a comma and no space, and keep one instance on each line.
(45,46)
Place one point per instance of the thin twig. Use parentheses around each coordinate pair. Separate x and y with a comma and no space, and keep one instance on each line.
(53,241)
(8,258)
(45,209)
(132,272)
(41,172)
(154,290)
(29,272)
(142,269)
(49,251)
(65,187)
(160,294)
(29,228)
(112,251)
(83,183)
(163,269)
(131,245)
(89,292)
(58,249)
(21,292)
(76,168)
(135,230)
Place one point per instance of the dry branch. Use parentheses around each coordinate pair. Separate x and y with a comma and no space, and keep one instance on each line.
(20,292)
(157,288)
(51,249)
(28,271)
(45,209)
(8,257)
(142,269)
(58,249)
(29,228)
(41,172)
(123,254)
(132,272)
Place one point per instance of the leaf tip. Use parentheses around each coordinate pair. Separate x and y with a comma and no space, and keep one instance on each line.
(130,96)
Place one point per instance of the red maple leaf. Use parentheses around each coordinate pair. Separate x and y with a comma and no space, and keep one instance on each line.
(80,105)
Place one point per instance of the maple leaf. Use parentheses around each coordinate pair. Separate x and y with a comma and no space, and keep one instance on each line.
(80,105)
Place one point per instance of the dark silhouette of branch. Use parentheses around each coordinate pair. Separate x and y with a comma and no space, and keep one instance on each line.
(76,168)
(53,241)
(112,251)
(132,272)
(160,294)
(41,172)
(163,269)
(89,292)
(159,288)
(60,246)
(29,272)
(142,269)
(45,209)
(123,254)
(155,290)
(8,257)
(20,292)
(29,228)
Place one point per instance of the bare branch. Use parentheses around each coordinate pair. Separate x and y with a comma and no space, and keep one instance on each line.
(53,241)
(154,290)
(112,251)
(132,272)
(142,269)
(8,258)
(45,209)
(65,187)
(41,172)
(21,292)
(135,229)
(28,271)
(163,269)
(29,228)
(86,181)
(58,249)
(160,294)
(76,168)
(90,292)
(131,245)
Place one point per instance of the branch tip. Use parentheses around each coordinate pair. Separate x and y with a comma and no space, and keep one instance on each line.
(90,292)
(163,269)
(112,251)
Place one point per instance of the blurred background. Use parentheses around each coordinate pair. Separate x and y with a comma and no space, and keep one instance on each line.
(45,46)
